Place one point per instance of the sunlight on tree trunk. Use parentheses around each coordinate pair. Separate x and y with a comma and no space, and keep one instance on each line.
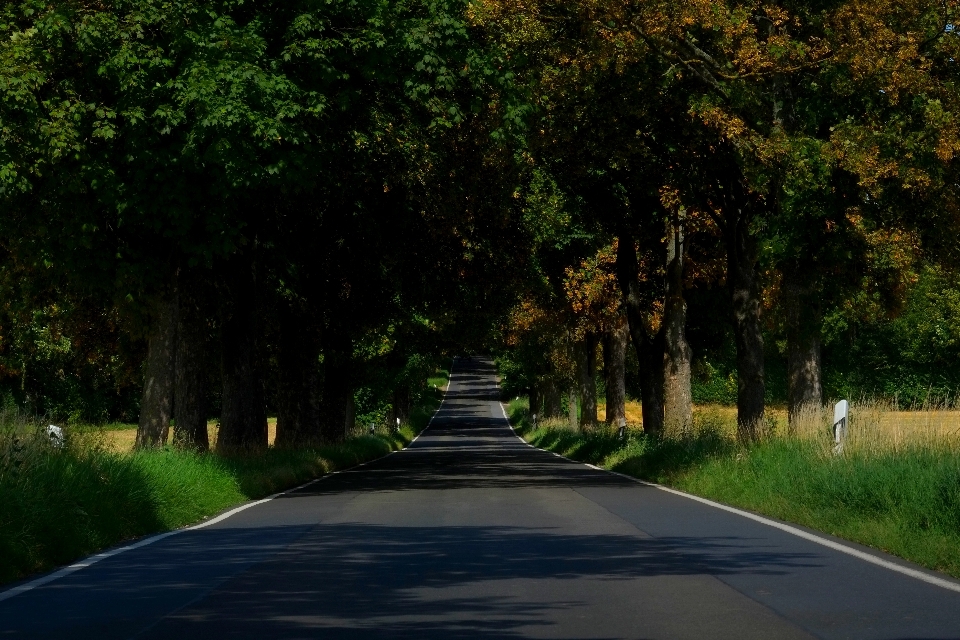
(801,311)
(615,342)
(572,414)
(677,398)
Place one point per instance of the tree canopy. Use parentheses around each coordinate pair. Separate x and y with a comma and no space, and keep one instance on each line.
(228,208)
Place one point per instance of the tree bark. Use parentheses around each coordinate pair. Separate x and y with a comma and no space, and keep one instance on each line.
(298,393)
(350,415)
(615,342)
(337,387)
(802,310)
(677,395)
(572,408)
(157,399)
(536,401)
(649,353)
(190,412)
(745,294)
(400,403)
(586,351)
(552,400)
(243,420)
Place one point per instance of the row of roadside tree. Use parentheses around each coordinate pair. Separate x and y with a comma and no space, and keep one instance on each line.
(240,206)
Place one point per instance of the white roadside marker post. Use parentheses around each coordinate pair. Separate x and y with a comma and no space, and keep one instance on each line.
(840,417)
(534,421)
(398,424)
(55,434)
(622,433)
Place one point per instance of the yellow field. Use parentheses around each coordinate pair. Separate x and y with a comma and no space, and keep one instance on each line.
(121,440)
(727,414)
(872,424)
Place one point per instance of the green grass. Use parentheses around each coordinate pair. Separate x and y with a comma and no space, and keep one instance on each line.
(60,505)
(439,379)
(905,502)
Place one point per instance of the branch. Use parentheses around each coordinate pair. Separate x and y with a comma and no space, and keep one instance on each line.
(945,21)
(671,56)
(703,55)
(934,38)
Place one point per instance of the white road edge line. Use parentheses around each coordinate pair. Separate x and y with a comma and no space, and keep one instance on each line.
(800,533)
(86,562)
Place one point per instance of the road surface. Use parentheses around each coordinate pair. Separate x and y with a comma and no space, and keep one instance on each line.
(471,533)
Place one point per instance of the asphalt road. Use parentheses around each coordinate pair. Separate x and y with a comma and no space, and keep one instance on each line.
(471,533)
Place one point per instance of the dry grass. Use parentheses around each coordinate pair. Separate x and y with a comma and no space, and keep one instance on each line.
(877,427)
(715,414)
(874,425)
(121,440)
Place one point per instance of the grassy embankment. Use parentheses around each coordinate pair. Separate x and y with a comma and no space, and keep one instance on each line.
(895,487)
(59,505)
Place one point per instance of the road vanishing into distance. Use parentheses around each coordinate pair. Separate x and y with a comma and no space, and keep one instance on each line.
(471,533)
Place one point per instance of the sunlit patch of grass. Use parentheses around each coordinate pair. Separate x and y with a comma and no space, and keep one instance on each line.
(439,380)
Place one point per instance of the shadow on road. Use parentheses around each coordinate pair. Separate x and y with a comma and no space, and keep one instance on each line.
(357,579)
(435,582)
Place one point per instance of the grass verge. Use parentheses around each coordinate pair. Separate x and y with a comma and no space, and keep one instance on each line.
(62,504)
(903,500)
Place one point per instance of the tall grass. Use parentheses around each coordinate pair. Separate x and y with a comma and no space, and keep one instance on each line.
(59,504)
(895,486)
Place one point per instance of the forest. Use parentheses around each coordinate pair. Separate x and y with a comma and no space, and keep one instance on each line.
(264,229)
(227,209)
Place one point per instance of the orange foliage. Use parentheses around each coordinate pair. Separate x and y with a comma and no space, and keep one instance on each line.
(592,291)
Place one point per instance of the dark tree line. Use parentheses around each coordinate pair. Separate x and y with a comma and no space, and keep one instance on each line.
(277,205)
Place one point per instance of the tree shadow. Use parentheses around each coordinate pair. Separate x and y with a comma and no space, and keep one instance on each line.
(442,582)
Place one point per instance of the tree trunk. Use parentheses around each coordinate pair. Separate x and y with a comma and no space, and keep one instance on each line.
(400,405)
(190,413)
(350,415)
(157,400)
(649,354)
(803,375)
(745,294)
(243,420)
(677,396)
(802,310)
(552,400)
(615,342)
(298,393)
(586,351)
(572,408)
(535,399)
(337,387)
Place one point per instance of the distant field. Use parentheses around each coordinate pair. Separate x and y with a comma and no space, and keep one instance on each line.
(635,414)
(120,437)
(875,423)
